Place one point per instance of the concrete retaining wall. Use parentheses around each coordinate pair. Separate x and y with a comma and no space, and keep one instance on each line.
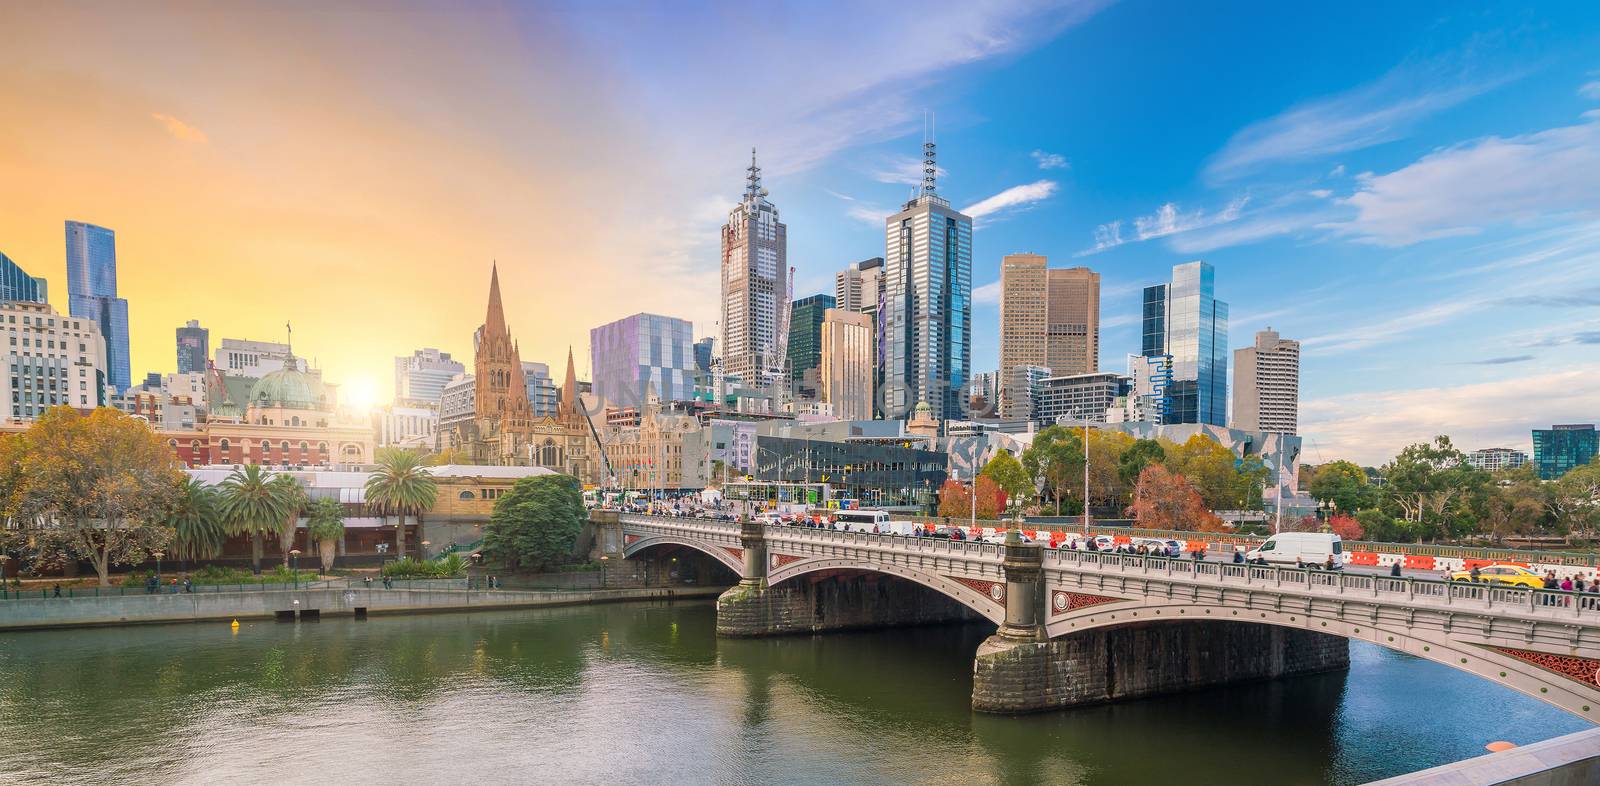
(1111,664)
(1569,760)
(838,603)
(141,609)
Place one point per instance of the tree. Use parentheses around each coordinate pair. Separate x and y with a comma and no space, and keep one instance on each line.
(1106,486)
(294,499)
(1224,482)
(536,524)
(1342,483)
(1516,506)
(447,456)
(1346,526)
(401,486)
(196,520)
(1433,489)
(102,484)
(326,527)
(1574,500)
(1055,459)
(252,506)
(1380,526)
(954,499)
(1164,500)
(1008,474)
(1142,453)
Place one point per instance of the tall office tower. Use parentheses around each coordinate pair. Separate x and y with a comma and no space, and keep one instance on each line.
(16,284)
(194,347)
(927,305)
(644,352)
(1266,385)
(704,350)
(92,294)
(755,285)
(422,376)
(1560,448)
(1185,323)
(856,287)
(805,343)
(846,364)
(543,395)
(1048,318)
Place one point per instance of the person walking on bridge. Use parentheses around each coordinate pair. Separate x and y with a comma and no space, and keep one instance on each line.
(1394,570)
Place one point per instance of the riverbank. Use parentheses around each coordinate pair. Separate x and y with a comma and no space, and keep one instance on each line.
(304,603)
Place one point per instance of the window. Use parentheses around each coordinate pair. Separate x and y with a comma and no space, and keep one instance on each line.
(467,494)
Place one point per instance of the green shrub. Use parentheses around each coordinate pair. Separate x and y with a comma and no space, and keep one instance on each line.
(449,566)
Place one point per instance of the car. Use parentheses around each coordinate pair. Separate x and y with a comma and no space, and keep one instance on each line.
(1513,575)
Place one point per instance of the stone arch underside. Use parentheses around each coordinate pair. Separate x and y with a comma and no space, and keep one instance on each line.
(978,598)
(723,554)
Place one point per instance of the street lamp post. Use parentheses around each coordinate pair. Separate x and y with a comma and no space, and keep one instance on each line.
(1063,420)
(158,555)
(425,545)
(294,557)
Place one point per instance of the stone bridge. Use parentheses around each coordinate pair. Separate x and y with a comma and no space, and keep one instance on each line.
(1077,627)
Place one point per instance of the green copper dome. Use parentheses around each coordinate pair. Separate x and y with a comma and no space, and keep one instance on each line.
(289,388)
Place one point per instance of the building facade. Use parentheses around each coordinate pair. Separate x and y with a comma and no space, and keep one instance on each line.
(645,352)
(1496,459)
(1266,385)
(1048,317)
(16,284)
(755,286)
(846,364)
(650,453)
(872,472)
(1022,390)
(857,287)
(92,294)
(543,394)
(254,358)
(194,348)
(805,343)
(927,305)
(420,377)
(1184,322)
(1079,397)
(288,418)
(51,359)
(1558,449)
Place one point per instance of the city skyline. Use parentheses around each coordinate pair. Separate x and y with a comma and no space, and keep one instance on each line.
(1374,241)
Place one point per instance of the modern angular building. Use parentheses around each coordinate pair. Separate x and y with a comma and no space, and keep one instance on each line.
(421,377)
(1558,449)
(927,305)
(194,348)
(1048,318)
(639,353)
(1266,385)
(1185,323)
(805,343)
(16,284)
(92,293)
(755,286)
(1078,397)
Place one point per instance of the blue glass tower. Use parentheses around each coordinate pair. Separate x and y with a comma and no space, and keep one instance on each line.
(16,284)
(92,293)
(1184,321)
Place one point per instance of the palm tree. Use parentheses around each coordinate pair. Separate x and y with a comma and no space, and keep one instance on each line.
(401,486)
(197,520)
(294,499)
(326,527)
(252,505)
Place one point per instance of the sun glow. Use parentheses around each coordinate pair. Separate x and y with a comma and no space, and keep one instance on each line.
(360,393)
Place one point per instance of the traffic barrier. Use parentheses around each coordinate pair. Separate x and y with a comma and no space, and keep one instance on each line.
(1363,558)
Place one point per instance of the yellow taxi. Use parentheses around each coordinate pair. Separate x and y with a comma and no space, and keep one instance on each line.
(1515,575)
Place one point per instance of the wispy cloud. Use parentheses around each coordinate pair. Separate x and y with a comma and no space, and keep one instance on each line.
(1050,160)
(1368,115)
(1501,361)
(179,129)
(1012,198)
(987,295)
(1590,90)
(867,214)
(1166,221)
(1579,299)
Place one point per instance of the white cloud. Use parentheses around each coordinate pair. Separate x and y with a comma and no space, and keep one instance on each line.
(1368,115)
(1015,196)
(867,214)
(1320,193)
(1461,190)
(179,129)
(1050,160)
(1167,220)
(1370,427)
(987,295)
(902,170)
(1590,90)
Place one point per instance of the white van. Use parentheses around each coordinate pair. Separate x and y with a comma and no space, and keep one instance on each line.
(1310,548)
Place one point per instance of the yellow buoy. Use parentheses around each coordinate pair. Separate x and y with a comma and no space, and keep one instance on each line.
(235,625)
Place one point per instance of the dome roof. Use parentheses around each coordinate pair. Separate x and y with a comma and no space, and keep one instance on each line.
(289,387)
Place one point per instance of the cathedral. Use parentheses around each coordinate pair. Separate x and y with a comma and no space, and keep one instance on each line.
(504,430)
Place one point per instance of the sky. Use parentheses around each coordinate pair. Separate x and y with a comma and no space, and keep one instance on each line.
(1412,190)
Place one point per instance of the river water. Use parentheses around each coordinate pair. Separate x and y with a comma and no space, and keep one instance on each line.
(645,694)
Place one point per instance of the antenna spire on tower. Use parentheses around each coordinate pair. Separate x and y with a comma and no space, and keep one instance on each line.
(930,167)
(753,191)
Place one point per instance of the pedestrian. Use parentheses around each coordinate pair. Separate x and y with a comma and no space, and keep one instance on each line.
(1566,584)
(1394,570)
(1298,564)
(55,592)
(1330,562)
(1472,575)
(188,586)
(1238,556)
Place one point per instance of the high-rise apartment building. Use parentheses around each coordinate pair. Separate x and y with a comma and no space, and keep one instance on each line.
(1496,459)
(636,354)
(16,284)
(805,343)
(194,347)
(927,305)
(92,294)
(1048,318)
(420,378)
(1266,385)
(52,359)
(846,364)
(856,288)
(543,395)
(1558,449)
(1184,322)
(755,286)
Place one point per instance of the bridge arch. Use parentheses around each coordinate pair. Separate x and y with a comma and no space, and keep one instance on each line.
(1496,659)
(963,593)
(718,553)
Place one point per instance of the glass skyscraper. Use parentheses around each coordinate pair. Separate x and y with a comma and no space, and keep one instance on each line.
(634,354)
(194,347)
(805,342)
(1183,321)
(92,293)
(1558,449)
(16,284)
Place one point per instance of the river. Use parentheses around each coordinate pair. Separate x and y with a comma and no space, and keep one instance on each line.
(645,694)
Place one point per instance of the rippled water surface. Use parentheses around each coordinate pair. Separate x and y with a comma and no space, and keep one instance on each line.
(645,694)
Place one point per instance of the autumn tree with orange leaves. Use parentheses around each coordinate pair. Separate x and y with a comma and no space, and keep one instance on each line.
(1165,500)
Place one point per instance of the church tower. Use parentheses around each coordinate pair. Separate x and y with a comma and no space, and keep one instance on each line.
(502,406)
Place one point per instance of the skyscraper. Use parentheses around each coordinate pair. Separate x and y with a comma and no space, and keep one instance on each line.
(755,285)
(16,284)
(194,347)
(856,287)
(543,395)
(1266,385)
(927,304)
(92,293)
(1185,322)
(805,343)
(635,354)
(1556,450)
(422,376)
(846,364)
